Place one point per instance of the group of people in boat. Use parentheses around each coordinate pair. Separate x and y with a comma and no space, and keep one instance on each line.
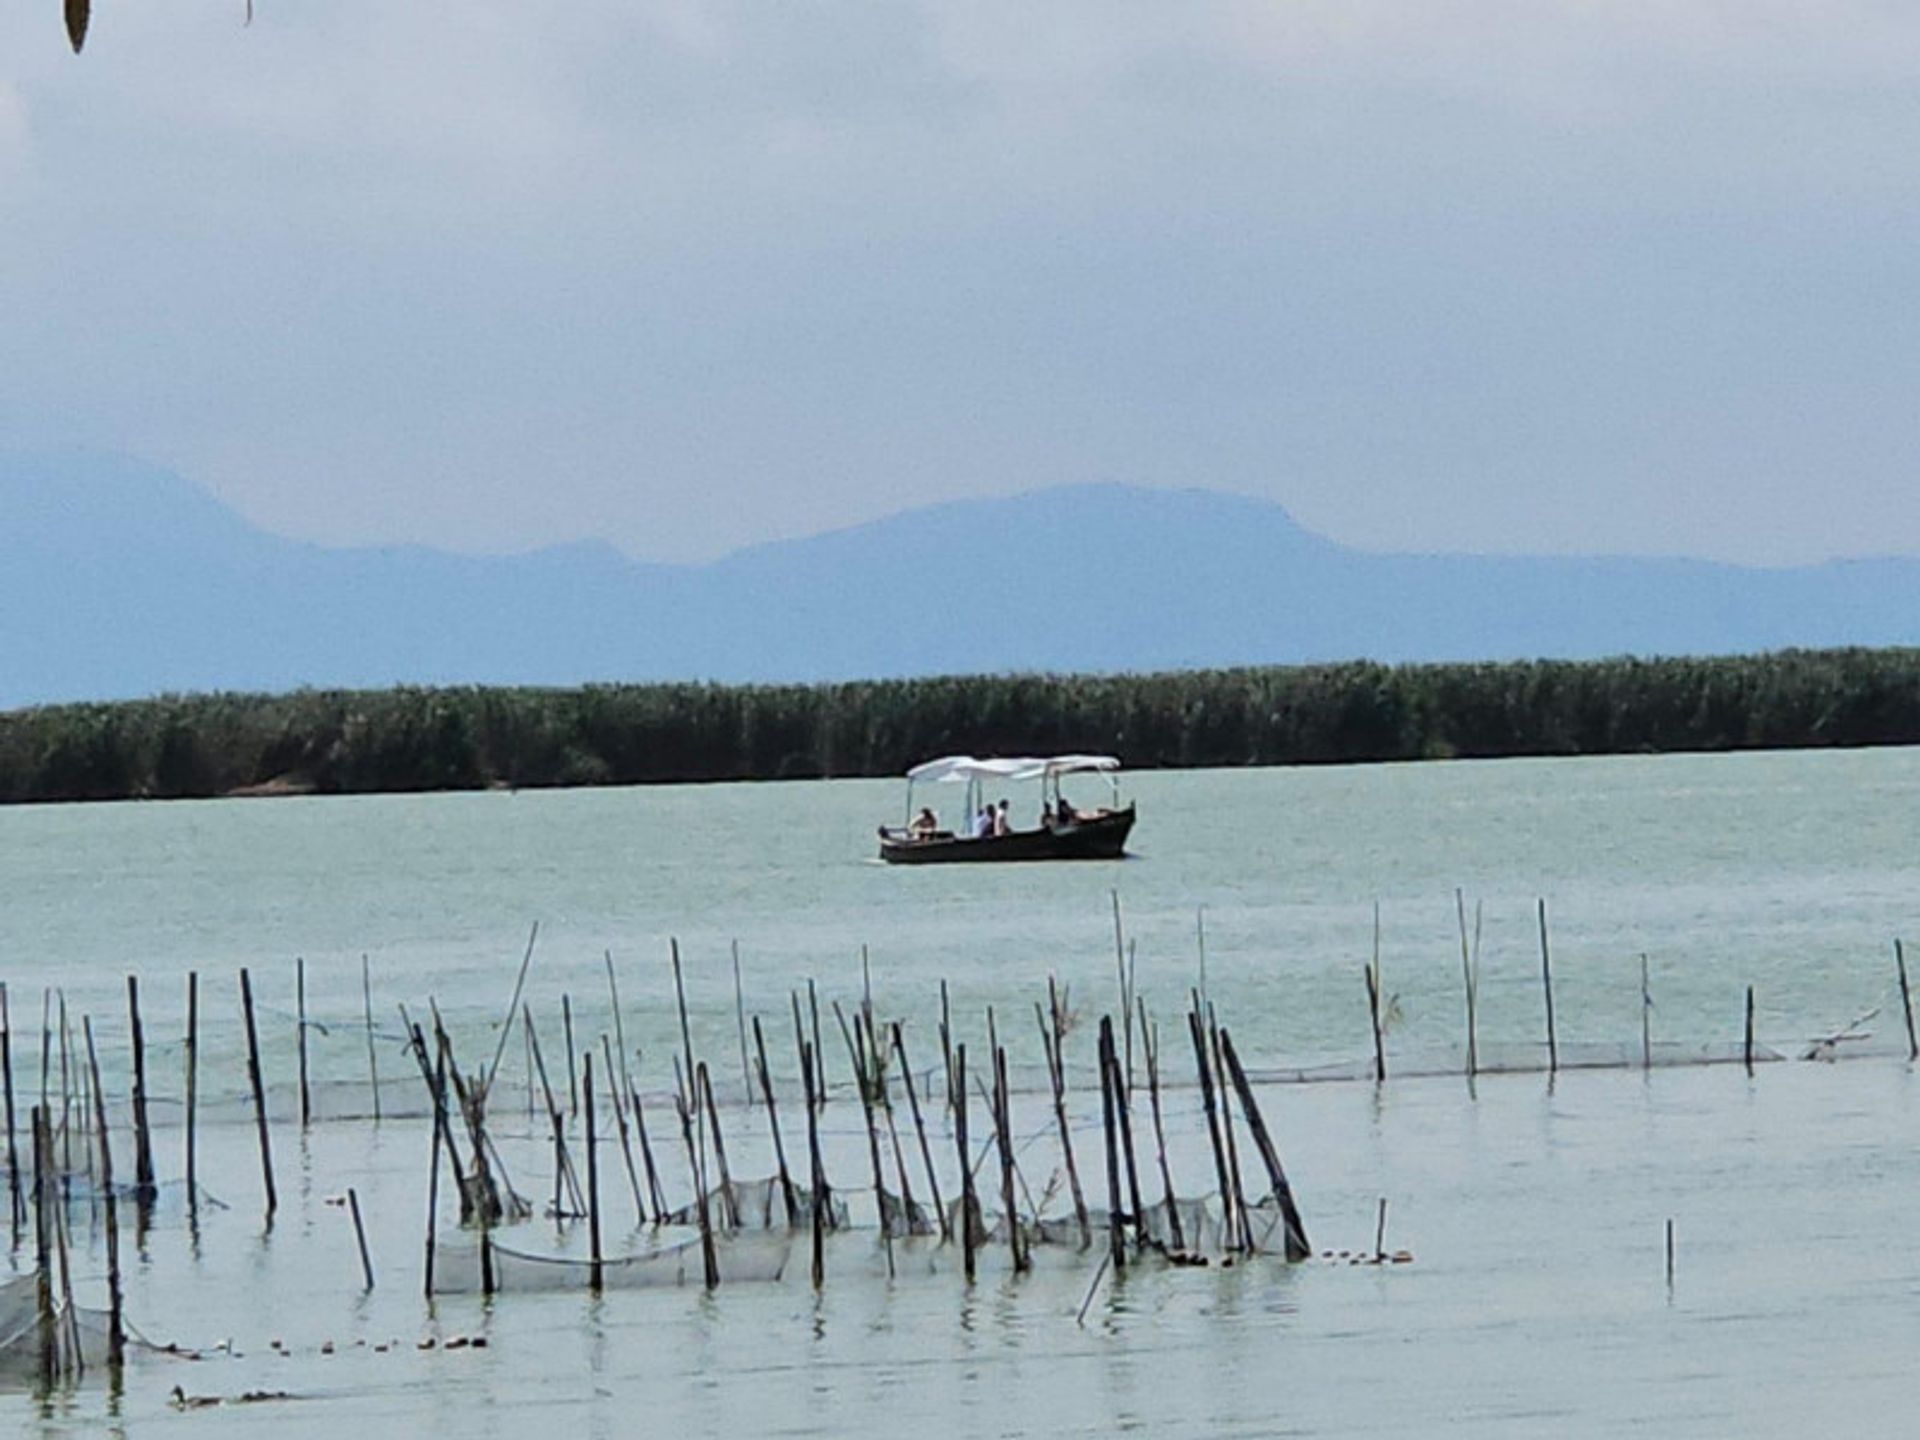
(993,820)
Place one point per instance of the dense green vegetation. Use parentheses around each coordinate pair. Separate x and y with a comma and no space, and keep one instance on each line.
(420,739)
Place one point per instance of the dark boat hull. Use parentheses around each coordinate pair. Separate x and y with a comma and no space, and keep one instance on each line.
(1102,837)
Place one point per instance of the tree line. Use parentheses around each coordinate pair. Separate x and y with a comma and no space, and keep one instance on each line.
(453,738)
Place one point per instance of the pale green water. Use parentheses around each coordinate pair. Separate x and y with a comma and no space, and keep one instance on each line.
(1536,1304)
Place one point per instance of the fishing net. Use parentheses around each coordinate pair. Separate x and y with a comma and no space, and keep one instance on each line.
(760,1205)
(524,1263)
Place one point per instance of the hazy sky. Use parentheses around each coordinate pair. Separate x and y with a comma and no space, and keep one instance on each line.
(1536,275)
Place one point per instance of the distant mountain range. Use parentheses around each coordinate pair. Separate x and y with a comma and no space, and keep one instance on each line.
(118,579)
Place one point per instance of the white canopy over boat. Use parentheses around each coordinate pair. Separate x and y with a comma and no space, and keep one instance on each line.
(952,768)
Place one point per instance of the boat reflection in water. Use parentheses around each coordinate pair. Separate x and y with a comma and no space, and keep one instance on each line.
(1064,832)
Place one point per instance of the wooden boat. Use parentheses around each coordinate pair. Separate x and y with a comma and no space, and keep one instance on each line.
(1065,832)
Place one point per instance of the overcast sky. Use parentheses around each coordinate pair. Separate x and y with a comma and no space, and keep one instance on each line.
(1624,275)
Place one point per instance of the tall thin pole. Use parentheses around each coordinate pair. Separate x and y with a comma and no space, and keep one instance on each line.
(142,1136)
(1469,983)
(594,1272)
(192,1060)
(300,1015)
(373,1059)
(1646,1016)
(116,1319)
(740,1019)
(16,1200)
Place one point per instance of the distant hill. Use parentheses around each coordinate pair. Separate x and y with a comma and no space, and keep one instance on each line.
(118,579)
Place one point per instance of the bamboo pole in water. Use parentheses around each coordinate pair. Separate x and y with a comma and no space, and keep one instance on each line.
(773,1125)
(595,1274)
(686,1030)
(191,1058)
(1126,989)
(1546,987)
(969,1206)
(729,1202)
(65,1132)
(620,1039)
(43,1212)
(16,1201)
(1470,983)
(1204,1067)
(436,1083)
(920,1128)
(1297,1247)
(821,1197)
(573,1068)
(1150,1042)
(513,1008)
(626,1139)
(946,1043)
(259,1092)
(740,1019)
(1003,1126)
(116,1311)
(1233,1144)
(300,1019)
(1123,1112)
(1109,1079)
(373,1060)
(1906,1000)
(654,1192)
(709,1259)
(1646,1016)
(142,1131)
(819,1052)
(1052,1040)
(563,1172)
(1373,1003)
(1747,1049)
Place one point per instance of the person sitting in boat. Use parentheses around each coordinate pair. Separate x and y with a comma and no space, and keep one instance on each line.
(983,822)
(1002,822)
(1063,813)
(924,825)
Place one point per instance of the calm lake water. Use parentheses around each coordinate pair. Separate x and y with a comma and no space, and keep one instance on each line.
(1536,1303)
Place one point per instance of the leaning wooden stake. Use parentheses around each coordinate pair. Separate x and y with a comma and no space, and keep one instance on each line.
(1126,989)
(1906,1000)
(1546,986)
(773,1124)
(116,1314)
(709,1259)
(1296,1232)
(1373,1011)
(259,1092)
(654,1192)
(1123,1112)
(360,1233)
(1746,1051)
